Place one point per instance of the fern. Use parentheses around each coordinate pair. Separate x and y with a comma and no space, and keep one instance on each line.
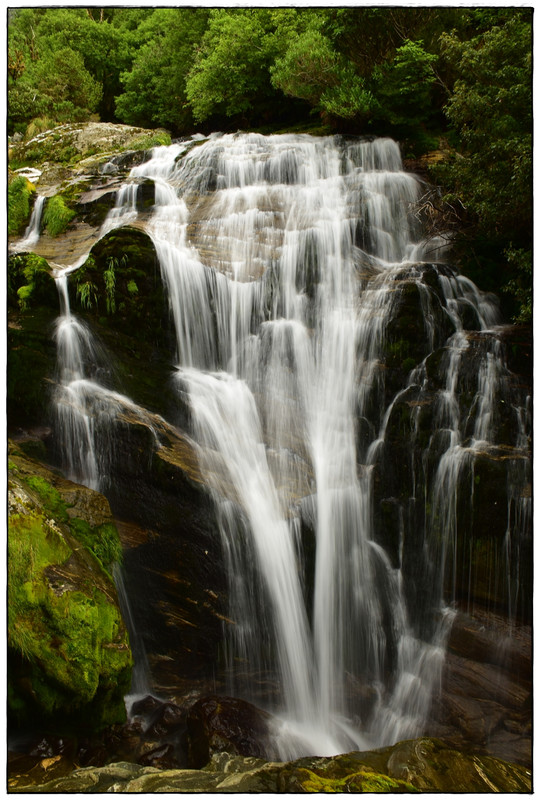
(87,294)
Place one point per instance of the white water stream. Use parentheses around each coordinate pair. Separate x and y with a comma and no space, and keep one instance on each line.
(32,232)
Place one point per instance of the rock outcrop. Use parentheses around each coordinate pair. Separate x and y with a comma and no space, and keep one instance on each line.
(69,658)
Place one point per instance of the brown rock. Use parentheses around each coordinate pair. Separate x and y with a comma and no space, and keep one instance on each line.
(226,724)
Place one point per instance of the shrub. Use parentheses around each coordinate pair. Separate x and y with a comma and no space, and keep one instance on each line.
(39,125)
(57,216)
(35,270)
(19,192)
(157,139)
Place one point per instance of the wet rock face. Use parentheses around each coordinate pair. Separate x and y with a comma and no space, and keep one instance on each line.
(226,725)
(172,554)
(488,474)
(486,689)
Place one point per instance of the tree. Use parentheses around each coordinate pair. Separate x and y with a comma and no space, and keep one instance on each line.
(403,84)
(490,109)
(61,78)
(104,48)
(231,73)
(155,87)
(311,68)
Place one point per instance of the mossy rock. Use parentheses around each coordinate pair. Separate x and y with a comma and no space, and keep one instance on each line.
(70,143)
(31,364)
(365,780)
(30,283)
(120,287)
(68,650)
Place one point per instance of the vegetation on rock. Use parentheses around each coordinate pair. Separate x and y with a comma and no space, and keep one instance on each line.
(57,216)
(68,649)
(19,192)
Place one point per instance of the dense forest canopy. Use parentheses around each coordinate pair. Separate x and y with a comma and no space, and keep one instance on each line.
(456,79)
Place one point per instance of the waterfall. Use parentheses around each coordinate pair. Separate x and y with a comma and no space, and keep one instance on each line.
(285,260)
(278,350)
(140,677)
(32,232)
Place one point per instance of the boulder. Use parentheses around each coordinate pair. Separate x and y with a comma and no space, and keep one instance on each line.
(69,660)
(226,725)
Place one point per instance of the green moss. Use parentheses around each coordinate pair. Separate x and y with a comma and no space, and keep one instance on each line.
(19,193)
(49,496)
(102,540)
(30,282)
(408,364)
(57,216)
(71,637)
(32,545)
(361,782)
(68,649)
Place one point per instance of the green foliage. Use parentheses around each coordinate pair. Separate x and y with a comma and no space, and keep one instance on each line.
(154,88)
(39,125)
(24,103)
(132,287)
(403,85)
(101,43)
(35,271)
(19,193)
(311,69)
(87,294)
(109,277)
(490,109)
(57,215)
(56,85)
(157,139)
(63,77)
(231,69)
(520,286)
(308,67)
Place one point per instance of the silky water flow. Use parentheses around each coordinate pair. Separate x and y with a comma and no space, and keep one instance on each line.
(283,259)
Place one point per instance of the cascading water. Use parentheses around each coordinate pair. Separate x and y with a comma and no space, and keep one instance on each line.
(32,232)
(284,260)
(296,344)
